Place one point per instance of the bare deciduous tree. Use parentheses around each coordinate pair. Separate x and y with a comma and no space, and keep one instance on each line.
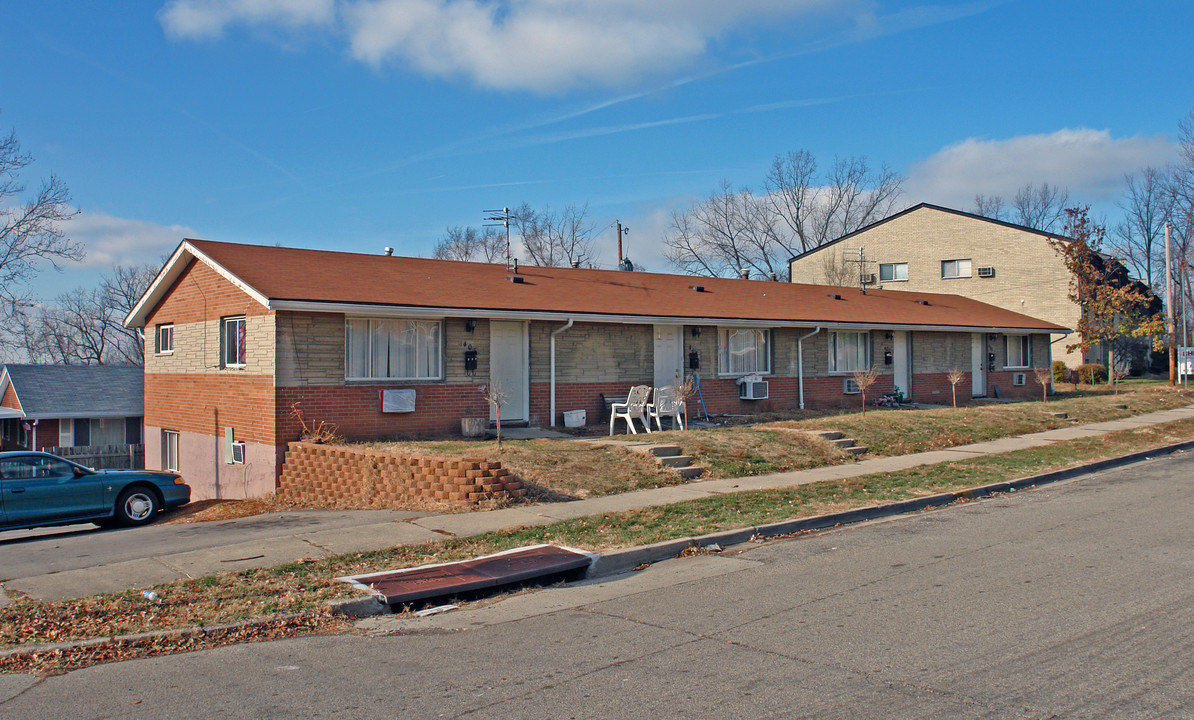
(497,396)
(864,379)
(836,270)
(85,326)
(990,206)
(1040,208)
(556,239)
(1043,377)
(122,289)
(1139,237)
(735,229)
(955,376)
(30,231)
(470,244)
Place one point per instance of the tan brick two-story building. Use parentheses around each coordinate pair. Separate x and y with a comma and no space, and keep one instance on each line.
(929,248)
(240,336)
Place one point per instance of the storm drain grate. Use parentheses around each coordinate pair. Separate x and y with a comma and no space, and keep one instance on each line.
(536,564)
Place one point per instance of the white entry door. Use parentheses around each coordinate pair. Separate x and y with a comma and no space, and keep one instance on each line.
(669,355)
(901,362)
(508,368)
(978,365)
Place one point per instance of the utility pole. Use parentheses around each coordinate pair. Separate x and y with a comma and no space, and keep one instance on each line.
(1170,327)
(623,262)
(620,241)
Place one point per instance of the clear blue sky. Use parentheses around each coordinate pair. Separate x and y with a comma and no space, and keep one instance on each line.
(356,124)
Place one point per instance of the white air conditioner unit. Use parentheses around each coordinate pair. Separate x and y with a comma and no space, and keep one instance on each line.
(753,390)
(1019,378)
(238,453)
(986,272)
(849,387)
(868,279)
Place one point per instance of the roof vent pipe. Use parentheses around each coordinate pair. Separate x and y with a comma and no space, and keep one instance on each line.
(745,273)
(389,251)
(774,278)
(575,264)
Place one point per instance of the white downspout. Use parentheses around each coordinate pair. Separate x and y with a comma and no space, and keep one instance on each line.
(555,332)
(1064,335)
(33,447)
(800,361)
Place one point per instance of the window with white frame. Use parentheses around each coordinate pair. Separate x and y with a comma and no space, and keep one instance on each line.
(1018,351)
(233,342)
(849,351)
(741,351)
(170,450)
(891,272)
(392,349)
(164,339)
(955,268)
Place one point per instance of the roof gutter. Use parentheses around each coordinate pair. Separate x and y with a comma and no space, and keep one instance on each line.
(800,361)
(555,332)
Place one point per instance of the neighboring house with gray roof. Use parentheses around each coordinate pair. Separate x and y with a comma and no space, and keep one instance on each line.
(48,406)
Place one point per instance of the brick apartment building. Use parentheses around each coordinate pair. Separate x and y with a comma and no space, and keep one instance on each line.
(929,248)
(239,336)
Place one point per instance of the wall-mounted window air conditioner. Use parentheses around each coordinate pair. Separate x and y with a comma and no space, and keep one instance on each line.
(1019,378)
(849,387)
(986,272)
(238,453)
(753,390)
(868,279)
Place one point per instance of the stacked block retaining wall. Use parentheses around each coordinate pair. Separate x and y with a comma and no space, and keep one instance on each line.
(328,474)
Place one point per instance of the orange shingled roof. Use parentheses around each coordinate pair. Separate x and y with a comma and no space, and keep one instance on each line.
(318,276)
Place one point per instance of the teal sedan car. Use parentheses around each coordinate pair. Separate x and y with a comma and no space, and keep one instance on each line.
(39,489)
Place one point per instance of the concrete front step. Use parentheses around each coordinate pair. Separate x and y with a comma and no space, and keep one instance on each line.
(842,442)
(856,449)
(826,434)
(674,461)
(690,473)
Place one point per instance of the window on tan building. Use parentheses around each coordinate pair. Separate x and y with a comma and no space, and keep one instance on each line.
(741,351)
(893,272)
(849,351)
(1018,351)
(955,268)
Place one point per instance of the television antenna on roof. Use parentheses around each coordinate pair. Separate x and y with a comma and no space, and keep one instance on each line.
(501,217)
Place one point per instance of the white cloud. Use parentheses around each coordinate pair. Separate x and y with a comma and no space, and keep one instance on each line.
(1091,163)
(121,241)
(540,45)
(208,18)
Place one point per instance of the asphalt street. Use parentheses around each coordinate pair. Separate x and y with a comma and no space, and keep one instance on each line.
(42,550)
(1074,600)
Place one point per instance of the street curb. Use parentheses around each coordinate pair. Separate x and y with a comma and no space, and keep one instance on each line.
(625,560)
(620,561)
(42,648)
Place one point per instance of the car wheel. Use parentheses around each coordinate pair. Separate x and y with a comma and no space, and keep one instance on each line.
(136,506)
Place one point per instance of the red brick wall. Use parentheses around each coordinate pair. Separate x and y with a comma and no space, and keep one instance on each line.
(327,474)
(47,434)
(201,293)
(356,409)
(10,398)
(209,403)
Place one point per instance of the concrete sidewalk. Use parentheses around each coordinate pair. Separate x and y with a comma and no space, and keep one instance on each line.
(316,542)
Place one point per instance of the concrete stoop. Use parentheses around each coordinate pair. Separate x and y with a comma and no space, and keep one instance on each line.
(666,455)
(835,438)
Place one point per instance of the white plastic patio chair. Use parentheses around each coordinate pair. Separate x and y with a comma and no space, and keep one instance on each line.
(634,407)
(667,403)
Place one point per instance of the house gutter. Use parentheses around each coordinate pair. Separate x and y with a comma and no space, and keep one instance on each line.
(1064,335)
(800,361)
(555,332)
